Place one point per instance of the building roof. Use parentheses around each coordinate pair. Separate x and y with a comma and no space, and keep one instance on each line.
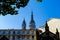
(53,23)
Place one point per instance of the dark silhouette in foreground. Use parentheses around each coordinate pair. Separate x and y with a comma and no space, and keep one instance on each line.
(3,38)
(47,35)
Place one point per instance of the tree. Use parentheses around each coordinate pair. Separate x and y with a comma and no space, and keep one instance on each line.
(39,0)
(6,6)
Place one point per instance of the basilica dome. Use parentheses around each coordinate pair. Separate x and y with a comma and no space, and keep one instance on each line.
(53,23)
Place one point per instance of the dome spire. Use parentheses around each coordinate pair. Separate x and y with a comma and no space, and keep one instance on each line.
(46,27)
(32,15)
(24,25)
(32,19)
(32,22)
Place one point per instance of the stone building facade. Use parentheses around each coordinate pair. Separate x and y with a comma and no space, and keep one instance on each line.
(15,34)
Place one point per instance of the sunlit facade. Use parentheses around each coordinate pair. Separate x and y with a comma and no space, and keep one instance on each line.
(13,34)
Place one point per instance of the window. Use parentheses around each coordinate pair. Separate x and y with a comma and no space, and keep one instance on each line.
(33,37)
(1,32)
(4,32)
(18,32)
(23,32)
(32,32)
(23,37)
(9,32)
(28,37)
(18,37)
(28,32)
(14,32)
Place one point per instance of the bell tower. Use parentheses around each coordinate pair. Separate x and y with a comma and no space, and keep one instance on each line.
(24,25)
(32,22)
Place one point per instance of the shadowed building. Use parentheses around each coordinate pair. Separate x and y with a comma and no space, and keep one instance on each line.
(48,35)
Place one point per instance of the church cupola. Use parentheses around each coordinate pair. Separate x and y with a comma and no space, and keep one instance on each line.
(32,22)
(46,27)
(24,25)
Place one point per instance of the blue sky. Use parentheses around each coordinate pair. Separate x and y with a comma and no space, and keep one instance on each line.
(42,11)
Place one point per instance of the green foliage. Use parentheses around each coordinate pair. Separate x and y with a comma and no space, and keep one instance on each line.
(6,6)
(39,0)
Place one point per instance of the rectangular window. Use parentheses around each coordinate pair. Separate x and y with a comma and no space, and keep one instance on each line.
(28,32)
(32,36)
(4,32)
